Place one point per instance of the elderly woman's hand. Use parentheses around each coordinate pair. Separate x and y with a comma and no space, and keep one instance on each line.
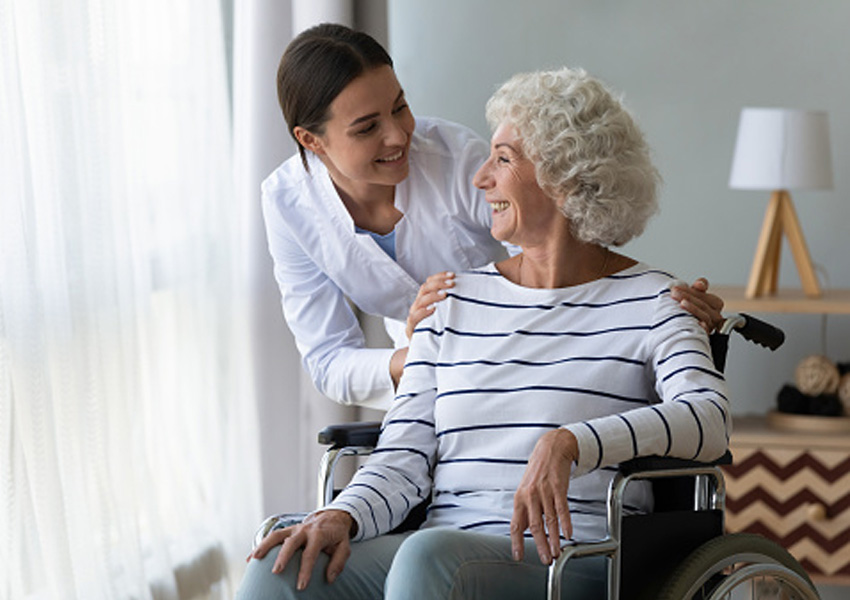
(327,531)
(540,502)
(430,292)
(704,306)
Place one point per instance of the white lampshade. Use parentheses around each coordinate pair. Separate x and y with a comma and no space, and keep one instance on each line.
(782,149)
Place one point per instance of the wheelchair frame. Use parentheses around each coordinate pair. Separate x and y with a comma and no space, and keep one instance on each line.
(707,546)
(709,494)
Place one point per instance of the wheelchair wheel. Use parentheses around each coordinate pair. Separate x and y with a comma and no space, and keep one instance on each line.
(738,566)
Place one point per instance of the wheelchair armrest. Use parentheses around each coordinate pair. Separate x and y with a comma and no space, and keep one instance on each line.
(661,463)
(351,434)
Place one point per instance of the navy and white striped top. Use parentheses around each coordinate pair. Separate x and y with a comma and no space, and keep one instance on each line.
(616,361)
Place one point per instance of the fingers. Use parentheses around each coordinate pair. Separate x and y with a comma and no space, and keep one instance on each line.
(339,556)
(438,281)
(338,552)
(312,546)
(308,561)
(699,311)
(540,502)
(551,538)
(519,523)
(553,531)
(326,531)
(714,302)
(696,299)
(541,515)
(538,531)
(274,538)
(287,551)
(565,521)
(701,284)
(432,291)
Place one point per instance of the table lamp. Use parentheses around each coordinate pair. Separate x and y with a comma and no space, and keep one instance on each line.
(780,149)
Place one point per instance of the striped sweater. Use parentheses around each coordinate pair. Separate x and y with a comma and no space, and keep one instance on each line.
(616,361)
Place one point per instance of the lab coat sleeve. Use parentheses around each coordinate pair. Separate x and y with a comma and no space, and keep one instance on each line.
(327,333)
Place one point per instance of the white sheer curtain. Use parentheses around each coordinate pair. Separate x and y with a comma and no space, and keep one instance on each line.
(291,409)
(128,460)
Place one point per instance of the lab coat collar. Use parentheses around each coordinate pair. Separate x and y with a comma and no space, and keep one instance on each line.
(339,229)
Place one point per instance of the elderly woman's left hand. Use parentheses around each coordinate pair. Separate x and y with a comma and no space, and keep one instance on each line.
(540,502)
(699,302)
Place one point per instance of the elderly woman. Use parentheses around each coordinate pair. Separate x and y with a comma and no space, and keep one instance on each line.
(529,383)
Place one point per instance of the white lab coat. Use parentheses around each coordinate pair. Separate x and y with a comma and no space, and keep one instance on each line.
(319,259)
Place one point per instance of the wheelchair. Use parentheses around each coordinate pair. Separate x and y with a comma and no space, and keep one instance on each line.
(679,551)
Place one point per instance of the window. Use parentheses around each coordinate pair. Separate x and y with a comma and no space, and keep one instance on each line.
(126,408)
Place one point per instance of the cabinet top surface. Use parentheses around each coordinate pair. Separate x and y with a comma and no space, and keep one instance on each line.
(785,301)
(751,430)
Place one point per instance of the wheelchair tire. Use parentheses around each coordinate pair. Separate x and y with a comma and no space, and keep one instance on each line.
(720,567)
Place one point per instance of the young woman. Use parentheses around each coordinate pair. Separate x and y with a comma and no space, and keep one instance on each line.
(375,205)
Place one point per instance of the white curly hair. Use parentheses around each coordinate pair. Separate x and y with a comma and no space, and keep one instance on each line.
(589,154)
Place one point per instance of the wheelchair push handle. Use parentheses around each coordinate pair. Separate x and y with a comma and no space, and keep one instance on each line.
(754,330)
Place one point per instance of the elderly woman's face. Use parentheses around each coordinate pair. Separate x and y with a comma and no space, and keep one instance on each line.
(523,213)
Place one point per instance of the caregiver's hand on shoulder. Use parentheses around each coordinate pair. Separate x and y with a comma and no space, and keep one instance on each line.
(430,292)
(327,531)
(540,502)
(700,303)
(397,361)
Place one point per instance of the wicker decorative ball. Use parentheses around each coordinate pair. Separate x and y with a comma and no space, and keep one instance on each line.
(817,375)
(844,393)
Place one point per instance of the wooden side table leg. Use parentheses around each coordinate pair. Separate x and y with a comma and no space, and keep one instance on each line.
(791,226)
(762,264)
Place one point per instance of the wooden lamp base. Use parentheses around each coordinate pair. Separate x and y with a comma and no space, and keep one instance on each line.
(780,218)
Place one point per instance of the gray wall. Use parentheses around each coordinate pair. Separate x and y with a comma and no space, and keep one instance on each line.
(686,68)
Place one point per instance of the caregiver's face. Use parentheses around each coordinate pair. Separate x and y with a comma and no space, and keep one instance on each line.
(366,140)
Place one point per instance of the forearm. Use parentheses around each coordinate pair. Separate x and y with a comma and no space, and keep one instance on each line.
(691,430)
(397,476)
(691,421)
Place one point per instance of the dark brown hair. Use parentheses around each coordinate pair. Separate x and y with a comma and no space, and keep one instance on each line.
(316,67)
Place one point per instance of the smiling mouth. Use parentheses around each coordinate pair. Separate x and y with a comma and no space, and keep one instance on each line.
(500,206)
(395,157)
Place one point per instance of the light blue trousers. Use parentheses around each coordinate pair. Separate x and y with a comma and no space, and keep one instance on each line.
(430,564)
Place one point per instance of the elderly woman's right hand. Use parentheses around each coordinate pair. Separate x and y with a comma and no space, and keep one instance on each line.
(540,502)
(326,531)
(430,292)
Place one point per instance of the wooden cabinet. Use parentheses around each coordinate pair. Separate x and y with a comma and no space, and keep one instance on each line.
(789,485)
(793,488)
